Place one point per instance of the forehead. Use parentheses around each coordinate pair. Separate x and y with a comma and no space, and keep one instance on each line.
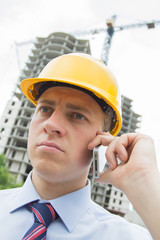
(70,95)
(65,92)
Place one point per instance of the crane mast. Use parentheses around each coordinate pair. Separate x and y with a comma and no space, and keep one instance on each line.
(108,39)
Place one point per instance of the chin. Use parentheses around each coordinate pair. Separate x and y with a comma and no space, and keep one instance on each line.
(47,171)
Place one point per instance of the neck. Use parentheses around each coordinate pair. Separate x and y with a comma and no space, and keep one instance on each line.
(51,190)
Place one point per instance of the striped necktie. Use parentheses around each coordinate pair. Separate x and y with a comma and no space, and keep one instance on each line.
(44,214)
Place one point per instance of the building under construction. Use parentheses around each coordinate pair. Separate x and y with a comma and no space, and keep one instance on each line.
(14,123)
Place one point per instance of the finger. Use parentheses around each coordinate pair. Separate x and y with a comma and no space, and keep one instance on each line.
(99,132)
(115,152)
(104,140)
(118,151)
(104,177)
(111,159)
(111,177)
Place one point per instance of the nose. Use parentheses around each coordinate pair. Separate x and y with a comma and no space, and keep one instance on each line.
(55,124)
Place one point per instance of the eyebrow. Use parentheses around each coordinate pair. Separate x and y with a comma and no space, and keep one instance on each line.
(68,106)
(77,108)
(52,103)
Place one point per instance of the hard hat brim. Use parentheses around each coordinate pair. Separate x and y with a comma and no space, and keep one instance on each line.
(26,86)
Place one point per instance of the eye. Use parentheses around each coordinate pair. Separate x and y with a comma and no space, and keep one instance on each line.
(45,109)
(78,116)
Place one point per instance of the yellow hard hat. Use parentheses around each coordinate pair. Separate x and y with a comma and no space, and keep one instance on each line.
(83,72)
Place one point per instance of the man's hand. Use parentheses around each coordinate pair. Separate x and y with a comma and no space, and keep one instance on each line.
(135,173)
(136,156)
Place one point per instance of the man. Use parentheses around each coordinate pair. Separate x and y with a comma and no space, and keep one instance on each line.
(77,109)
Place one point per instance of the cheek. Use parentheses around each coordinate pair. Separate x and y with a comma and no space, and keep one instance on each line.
(33,128)
(80,148)
(31,131)
(32,135)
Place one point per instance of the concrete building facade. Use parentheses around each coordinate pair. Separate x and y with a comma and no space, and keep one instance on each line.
(14,123)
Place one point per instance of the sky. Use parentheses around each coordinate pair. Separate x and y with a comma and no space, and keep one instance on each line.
(134,54)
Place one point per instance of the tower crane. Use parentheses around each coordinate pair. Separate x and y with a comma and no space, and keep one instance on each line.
(110,30)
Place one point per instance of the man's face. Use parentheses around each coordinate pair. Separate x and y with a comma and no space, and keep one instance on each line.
(64,123)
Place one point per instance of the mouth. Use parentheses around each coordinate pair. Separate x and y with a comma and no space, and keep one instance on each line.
(49,147)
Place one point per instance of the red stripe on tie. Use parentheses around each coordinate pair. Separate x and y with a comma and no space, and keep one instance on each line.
(31,233)
(52,211)
(38,215)
(38,233)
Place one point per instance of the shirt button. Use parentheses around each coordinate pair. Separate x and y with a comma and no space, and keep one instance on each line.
(89,211)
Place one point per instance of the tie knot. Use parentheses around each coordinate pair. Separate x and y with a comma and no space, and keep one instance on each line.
(43,213)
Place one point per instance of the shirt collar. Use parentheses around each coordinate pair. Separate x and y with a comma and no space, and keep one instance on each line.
(26,195)
(72,206)
(69,207)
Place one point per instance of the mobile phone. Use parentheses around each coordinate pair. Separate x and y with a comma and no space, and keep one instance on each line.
(99,160)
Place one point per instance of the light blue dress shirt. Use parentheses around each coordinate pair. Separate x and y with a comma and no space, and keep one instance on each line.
(79,217)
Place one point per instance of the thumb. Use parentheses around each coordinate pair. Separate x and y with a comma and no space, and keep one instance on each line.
(105,177)
(114,177)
